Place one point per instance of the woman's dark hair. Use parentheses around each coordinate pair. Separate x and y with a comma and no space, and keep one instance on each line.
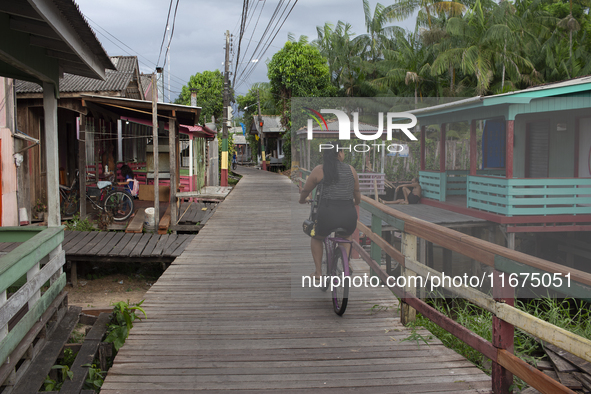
(126,170)
(330,163)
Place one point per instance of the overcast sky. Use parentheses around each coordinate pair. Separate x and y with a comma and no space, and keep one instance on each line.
(133,27)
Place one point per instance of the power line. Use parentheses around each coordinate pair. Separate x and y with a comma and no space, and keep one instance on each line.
(269,41)
(249,41)
(172,32)
(133,53)
(165,30)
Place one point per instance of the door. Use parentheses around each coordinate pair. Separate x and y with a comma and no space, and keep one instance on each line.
(537,150)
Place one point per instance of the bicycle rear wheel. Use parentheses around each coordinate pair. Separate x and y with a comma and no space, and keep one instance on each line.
(340,276)
(327,245)
(119,204)
(71,204)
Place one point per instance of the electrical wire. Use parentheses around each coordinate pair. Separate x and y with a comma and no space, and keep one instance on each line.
(165,29)
(172,32)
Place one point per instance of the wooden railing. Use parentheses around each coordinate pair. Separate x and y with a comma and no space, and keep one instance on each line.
(438,185)
(433,184)
(503,262)
(543,196)
(369,182)
(30,268)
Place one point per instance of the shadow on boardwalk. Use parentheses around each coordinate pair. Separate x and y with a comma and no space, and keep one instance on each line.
(222,318)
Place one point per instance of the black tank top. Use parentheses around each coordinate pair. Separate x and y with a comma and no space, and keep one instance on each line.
(343,189)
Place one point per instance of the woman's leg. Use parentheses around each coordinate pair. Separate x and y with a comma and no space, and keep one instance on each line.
(317,249)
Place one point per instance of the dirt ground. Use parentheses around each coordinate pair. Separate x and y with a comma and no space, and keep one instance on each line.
(103,292)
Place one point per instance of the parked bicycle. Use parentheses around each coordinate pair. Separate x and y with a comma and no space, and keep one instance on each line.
(105,197)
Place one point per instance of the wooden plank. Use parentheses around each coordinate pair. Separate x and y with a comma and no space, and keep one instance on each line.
(86,355)
(121,245)
(560,364)
(131,245)
(111,243)
(136,225)
(579,362)
(569,380)
(170,248)
(94,242)
(141,244)
(161,244)
(533,377)
(165,221)
(46,359)
(78,235)
(182,246)
(83,242)
(186,227)
(151,245)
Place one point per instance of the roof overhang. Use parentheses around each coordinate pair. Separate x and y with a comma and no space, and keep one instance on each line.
(125,107)
(41,39)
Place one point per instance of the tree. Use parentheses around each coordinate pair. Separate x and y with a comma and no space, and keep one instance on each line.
(209,86)
(297,70)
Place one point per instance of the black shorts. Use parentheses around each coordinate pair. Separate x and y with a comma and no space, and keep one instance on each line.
(413,199)
(336,213)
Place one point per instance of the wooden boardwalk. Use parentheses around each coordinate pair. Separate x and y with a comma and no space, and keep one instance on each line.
(229,315)
(109,246)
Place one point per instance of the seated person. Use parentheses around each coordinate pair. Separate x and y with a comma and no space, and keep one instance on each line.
(410,197)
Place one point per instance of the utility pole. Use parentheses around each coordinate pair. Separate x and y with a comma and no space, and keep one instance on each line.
(224,174)
(155,144)
(260,128)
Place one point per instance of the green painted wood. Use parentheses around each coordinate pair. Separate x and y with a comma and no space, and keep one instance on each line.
(392,221)
(11,341)
(575,289)
(516,200)
(19,234)
(16,263)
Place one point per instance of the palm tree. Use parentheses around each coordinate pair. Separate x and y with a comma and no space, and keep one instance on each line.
(378,35)
(408,62)
(403,9)
(482,43)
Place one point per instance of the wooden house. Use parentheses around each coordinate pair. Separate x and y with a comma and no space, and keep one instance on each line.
(271,136)
(123,82)
(40,40)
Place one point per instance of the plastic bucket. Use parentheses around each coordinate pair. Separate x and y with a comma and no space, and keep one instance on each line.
(149,218)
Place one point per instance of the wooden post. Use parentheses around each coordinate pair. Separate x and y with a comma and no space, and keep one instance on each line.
(509,149)
(172,160)
(447,261)
(430,254)
(511,241)
(473,148)
(423,260)
(82,166)
(51,154)
(423,148)
(503,334)
(155,148)
(355,236)
(388,238)
(376,251)
(442,151)
(409,250)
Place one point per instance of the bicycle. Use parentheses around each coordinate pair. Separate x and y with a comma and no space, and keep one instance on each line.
(335,268)
(104,197)
(336,272)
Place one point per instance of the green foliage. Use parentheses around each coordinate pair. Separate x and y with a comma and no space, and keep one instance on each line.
(95,378)
(77,224)
(124,316)
(53,385)
(209,86)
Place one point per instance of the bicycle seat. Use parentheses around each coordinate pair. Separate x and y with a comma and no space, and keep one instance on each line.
(341,232)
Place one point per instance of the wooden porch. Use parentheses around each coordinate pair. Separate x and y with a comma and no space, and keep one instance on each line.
(225,316)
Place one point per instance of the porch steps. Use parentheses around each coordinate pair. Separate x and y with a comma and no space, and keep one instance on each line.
(164,222)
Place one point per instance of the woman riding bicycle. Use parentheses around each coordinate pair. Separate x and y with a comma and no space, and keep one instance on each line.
(340,194)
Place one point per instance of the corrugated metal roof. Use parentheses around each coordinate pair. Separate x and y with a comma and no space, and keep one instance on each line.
(116,80)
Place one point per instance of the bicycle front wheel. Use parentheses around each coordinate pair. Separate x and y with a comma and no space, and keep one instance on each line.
(71,204)
(327,246)
(341,280)
(119,204)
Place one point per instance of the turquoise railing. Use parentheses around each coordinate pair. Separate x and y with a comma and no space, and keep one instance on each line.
(456,184)
(543,196)
(21,271)
(433,184)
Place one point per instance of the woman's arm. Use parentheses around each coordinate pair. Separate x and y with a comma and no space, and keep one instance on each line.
(315,177)
(356,192)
